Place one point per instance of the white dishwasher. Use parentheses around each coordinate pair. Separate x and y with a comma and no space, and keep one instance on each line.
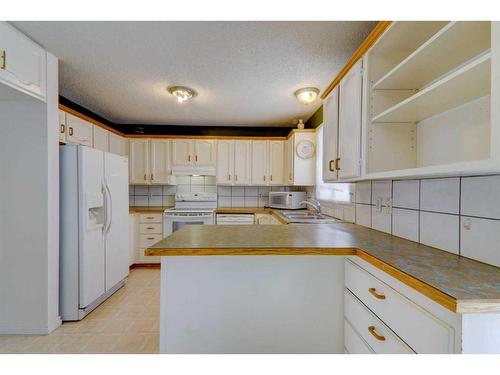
(235,219)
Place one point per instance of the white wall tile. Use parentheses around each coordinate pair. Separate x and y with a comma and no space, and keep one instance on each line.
(197,180)
(480,239)
(251,191)
(210,180)
(264,191)
(381,220)
(251,201)
(364,215)
(440,230)
(440,195)
(131,190)
(197,188)
(141,190)
(381,189)
(156,201)
(405,223)
(349,214)
(141,200)
(131,201)
(406,194)
(237,201)
(225,191)
(263,201)
(224,202)
(211,188)
(183,188)
(481,196)
(183,180)
(155,190)
(363,192)
(169,189)
(238,191)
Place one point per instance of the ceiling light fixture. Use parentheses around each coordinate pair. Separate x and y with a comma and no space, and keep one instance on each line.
(181,93)
(307,95)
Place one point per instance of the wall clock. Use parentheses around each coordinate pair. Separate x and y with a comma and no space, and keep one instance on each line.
(305,149)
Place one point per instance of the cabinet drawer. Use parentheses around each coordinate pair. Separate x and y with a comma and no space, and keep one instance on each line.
(147,240)
(353,342)
(150,218)
(151,228)
(421,330)
(378,336)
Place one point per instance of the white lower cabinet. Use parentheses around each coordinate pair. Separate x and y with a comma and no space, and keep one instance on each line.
(149,231)
(353,342)
(393,318)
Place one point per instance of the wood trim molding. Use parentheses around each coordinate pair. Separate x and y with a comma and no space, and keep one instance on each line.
(62,107)
(370,40)
(132,136)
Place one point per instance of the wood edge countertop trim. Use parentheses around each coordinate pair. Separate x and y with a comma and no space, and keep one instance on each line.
(429,291)
(66,109)
(369,41)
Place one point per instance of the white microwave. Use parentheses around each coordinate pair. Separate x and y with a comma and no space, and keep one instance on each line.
(287,200)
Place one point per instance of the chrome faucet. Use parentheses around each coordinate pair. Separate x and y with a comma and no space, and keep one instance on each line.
(314,204)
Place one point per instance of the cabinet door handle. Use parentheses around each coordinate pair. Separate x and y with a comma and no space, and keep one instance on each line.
(264,177)
(337,164)
(62,128)
(3,56)
(150,228)
(271,177)
(145,176)
(189,157)
(374,333)
(152,238)
(196,158)
(150,217)
(70,131)
(236,177)
(374,293)
(229,177)
(330,167)
(152,176)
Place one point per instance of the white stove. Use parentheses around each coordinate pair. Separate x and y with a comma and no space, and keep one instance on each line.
(190,209)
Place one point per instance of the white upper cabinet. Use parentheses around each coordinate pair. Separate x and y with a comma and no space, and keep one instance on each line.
(276,162)
(160,168)
(225,161)
(301,158)
(139,161)
(79,131)
(242,162)
(204,152)
(330,135)
(289,152)
(349,135)
(182,150)
(22,62)
(62,126)
(117,144)
(101,139)
(260,163)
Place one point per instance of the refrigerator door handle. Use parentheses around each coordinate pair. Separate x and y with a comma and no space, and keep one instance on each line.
(109,208)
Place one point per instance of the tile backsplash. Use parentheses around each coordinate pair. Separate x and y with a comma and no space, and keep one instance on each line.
(460,215)
(248,196)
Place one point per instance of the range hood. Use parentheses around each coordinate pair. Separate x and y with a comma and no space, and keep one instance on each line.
(189,170)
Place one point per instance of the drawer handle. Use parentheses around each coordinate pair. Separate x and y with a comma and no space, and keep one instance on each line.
(150,228)
(332,169)
(374,293)
(3,56)
(150,217)
(374,333)
(151,238)
(70,131)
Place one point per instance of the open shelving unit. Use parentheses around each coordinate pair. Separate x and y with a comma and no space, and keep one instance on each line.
(428,94)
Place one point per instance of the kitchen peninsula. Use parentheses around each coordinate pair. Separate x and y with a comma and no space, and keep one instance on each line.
(286,293)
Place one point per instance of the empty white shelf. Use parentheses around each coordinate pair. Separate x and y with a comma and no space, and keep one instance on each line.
(450,47)
(469,82)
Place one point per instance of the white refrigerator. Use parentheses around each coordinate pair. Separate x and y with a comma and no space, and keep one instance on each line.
(94,249)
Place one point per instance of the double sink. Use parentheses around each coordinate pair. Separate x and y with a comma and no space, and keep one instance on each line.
(308,218)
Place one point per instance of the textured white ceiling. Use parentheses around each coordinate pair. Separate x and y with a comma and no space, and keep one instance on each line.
(245,73)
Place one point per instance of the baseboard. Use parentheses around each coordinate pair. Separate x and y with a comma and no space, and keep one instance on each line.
(145,265)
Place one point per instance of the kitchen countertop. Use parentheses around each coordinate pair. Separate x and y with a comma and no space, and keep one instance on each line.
(145,209)
(457,283)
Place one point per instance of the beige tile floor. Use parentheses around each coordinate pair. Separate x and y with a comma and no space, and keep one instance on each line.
(128,322)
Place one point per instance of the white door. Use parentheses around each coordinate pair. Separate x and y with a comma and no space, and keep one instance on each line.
(182,152)
(276,162)
(260,163)
(101,138)
(204,152)
(117,144)
(242,162)
(139,161)
(159,161)
(225,160)
(290,143)
(330,134)
(350,123)
(62,126)
(91,242)
(116,242)
(22,62)
(79,131)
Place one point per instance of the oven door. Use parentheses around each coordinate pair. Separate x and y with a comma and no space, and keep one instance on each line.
(174,221)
